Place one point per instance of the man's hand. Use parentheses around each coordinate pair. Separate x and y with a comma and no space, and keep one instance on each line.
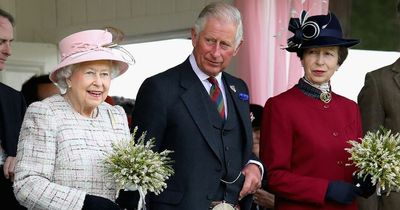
(252,180)
(8,168)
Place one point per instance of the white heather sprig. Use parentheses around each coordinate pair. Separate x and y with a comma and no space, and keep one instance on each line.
(133,163)
(378,154)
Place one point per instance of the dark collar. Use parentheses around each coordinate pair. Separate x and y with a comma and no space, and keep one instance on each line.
(308,89)
(314,92)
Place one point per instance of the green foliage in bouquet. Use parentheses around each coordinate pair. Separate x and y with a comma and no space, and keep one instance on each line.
(378,154)
(133,163)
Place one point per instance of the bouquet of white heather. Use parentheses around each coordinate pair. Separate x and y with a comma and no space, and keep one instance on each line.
(134,165)
(378,154)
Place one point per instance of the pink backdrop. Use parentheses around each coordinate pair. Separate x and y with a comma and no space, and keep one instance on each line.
(268,69)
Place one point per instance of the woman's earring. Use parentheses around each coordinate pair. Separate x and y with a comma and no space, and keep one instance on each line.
(68,83)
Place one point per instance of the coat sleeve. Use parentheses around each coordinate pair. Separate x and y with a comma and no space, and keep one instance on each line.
(13,113)
(370,104)
(150,112)
(35,164)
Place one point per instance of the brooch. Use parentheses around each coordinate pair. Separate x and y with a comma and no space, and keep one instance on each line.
(325,97)
(252,117)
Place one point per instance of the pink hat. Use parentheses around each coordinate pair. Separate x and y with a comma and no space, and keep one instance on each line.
(90,45)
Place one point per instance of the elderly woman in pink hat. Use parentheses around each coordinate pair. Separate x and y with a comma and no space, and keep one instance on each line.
(65,137)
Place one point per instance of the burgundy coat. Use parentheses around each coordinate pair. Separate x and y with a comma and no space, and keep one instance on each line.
(302,144)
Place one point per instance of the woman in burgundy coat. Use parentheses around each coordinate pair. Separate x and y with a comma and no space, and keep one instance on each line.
(305,129)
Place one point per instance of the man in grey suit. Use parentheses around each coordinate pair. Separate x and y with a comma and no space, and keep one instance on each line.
(213,163)
(379,102)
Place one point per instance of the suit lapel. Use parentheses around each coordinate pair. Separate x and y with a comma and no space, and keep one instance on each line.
(396,68)
(193,99)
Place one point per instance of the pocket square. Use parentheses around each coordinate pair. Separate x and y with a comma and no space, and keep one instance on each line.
(243,96)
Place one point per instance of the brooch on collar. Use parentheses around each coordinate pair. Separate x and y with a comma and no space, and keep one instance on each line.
(325,97)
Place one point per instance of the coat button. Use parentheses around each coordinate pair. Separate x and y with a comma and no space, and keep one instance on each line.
(335,134)
(340,163)
(326,106)
(227,148)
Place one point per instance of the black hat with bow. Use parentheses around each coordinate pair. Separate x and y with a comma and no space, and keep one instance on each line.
(316,31)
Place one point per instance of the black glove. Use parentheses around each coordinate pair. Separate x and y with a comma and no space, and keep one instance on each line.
(93,202)
(364,186)
(128,199)
(341,192)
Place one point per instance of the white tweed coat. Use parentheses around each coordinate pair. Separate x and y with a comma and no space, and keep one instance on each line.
(60,154)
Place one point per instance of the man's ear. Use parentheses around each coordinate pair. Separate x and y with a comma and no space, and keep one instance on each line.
(194,37)
(238,47)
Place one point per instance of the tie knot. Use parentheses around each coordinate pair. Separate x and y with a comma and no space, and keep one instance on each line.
(213,81)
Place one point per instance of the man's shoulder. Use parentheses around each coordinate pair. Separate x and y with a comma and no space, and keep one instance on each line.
(231,79)
(171,73)
(165,75)
(7,90)
(386,70)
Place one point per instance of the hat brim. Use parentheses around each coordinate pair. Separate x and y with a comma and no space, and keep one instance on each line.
(122,64)
(325,42)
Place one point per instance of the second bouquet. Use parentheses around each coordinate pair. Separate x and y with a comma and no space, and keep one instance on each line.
(378,155)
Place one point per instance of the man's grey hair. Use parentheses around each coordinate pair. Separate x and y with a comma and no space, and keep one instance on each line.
(221,10)
(7,15)
(66,72)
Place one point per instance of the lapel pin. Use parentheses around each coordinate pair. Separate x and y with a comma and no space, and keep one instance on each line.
(233,88)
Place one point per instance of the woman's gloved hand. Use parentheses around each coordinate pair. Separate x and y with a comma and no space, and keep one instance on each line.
(364,185)
(341,192)
(93,202)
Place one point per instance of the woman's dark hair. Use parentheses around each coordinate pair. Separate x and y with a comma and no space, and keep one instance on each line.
(342,53)
(30,87)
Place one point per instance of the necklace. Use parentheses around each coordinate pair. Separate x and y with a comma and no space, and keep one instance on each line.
(93,114)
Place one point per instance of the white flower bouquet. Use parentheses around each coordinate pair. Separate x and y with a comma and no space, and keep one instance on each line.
(378,154)
(134,165)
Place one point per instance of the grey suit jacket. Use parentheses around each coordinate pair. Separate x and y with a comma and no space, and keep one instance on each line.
(379,102)
(379,99)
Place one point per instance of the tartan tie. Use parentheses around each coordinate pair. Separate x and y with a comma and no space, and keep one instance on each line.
(216,96)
